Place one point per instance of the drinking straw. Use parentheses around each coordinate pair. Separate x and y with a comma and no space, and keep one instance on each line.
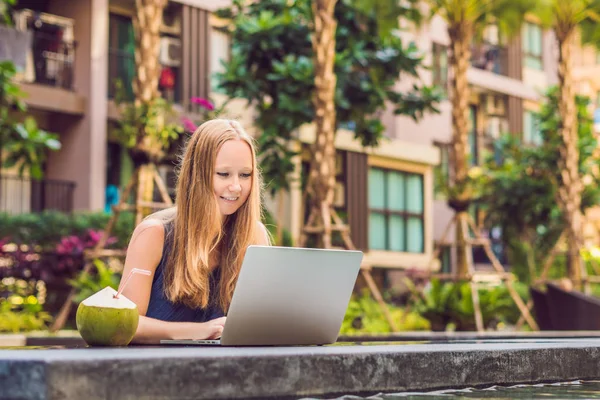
(133,271)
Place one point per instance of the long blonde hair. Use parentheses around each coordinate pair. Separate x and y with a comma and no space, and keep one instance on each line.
(199,229)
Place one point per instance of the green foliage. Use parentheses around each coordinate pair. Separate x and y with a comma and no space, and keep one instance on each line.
(6,7)
(271,66)
(506,14)
(581,13)
(147,128)
(25,144)
(522,181)
(87,284)
(47,228)
(271,225)
(444,303)
(21,309)
(29,151)
(364,315)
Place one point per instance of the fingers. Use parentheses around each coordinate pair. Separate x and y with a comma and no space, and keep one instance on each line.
(217,331)
(219,321)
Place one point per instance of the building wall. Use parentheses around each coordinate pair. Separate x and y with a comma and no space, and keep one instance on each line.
(82,157)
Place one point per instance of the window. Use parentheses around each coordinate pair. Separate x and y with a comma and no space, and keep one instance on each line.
(531,129)
(220,49)
(121,59)
(396,209)
(473,142)
(532,45)
(442,170)
(121,56)
(440,66)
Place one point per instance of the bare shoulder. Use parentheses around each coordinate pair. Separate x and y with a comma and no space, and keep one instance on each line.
(265,236)
(149,230)
(147,242)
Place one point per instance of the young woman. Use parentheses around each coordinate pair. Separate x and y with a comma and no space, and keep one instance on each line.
(195,250)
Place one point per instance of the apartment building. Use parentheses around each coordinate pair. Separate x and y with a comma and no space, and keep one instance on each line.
(586,73)
(387,193)
(508,78)
(78,50)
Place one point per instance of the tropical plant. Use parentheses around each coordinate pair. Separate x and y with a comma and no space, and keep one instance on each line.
(25,144)
(522,183)
(28,147)
(274,65)
(6,7)
(566,19)
(445,303)
(364,315)
(89,282)
(466,21)
(21,306)
(145,129)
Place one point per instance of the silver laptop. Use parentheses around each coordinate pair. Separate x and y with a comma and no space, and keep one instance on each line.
(288,296)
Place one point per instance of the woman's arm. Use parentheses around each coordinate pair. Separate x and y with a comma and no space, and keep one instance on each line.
(145,251)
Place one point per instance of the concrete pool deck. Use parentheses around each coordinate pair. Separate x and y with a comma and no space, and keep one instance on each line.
(290,372)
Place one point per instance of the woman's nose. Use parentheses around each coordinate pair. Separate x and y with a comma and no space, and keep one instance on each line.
(235,186)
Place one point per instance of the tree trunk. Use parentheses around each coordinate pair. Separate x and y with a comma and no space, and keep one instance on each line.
(322,169)
(461,34)
(569,193)
(146,24)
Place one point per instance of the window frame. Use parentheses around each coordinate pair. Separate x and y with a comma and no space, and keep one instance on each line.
(531,141)
(528,54)
(405,215)
(439,74)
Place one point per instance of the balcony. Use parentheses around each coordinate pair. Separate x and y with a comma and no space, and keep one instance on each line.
(24,195)
(52,61)
(490,57)
(46,61)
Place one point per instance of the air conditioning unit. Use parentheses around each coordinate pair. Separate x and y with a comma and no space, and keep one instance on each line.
(171,23)
(170,51)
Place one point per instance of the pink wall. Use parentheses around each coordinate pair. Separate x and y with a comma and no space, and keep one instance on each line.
(83,156)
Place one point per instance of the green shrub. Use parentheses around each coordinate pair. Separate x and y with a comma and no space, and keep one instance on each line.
(444,303)
(46,229)
(87,284)
(364,315)
(21,306)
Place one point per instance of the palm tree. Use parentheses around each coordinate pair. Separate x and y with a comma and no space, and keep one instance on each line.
(146,149)
(322,170)
(466,21)
(566,19)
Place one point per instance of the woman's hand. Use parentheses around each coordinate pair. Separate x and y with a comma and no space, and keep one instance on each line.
(200,331)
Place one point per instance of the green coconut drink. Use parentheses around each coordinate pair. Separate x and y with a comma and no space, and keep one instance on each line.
(107,318)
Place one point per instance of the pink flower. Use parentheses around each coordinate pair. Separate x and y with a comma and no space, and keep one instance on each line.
(188,124)
(203,102)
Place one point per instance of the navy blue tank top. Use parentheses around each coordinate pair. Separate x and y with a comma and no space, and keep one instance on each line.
(159,307)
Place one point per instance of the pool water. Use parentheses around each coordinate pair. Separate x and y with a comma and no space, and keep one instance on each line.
(562,390)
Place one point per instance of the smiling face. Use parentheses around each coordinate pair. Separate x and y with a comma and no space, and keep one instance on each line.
(233,175)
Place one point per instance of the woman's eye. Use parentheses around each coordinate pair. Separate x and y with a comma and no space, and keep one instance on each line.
(245,175)
(223,174)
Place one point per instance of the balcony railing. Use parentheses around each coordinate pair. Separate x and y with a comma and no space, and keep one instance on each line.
(490,57)
(53,61)
(23,195)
